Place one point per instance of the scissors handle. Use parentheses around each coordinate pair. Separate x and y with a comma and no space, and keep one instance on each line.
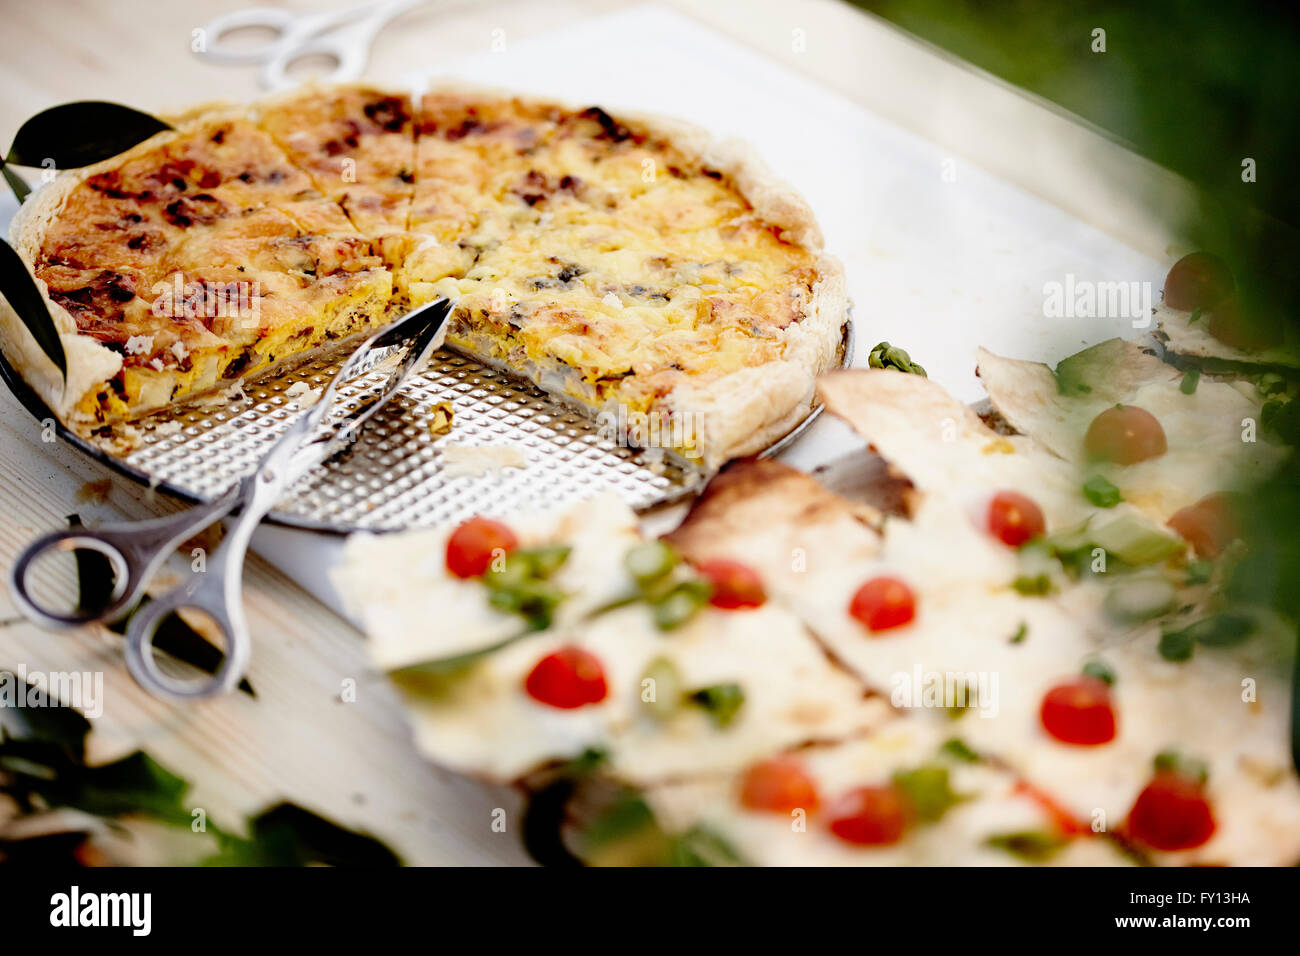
(216,595)
(134,552)
(285,25)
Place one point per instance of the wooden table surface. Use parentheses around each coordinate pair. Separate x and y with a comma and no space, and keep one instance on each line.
(300,739)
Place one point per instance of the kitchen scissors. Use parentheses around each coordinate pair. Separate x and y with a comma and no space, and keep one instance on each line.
(137,550)
(343,35)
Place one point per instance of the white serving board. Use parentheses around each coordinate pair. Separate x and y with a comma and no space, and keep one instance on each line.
(941,257)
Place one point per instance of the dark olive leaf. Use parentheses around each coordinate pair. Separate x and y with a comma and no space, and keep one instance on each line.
(81,133)
(25,299)
(135,784)
(61,727)
(16,182)
(289,835)
(544,817)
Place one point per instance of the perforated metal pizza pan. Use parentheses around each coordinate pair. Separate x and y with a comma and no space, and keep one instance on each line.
(392,477)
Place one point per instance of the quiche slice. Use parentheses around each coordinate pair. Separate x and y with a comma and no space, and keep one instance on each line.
(634,266)
(358,145)
(653,278)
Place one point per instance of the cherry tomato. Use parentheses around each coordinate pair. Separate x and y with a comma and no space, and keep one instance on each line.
(1227,324)
(1198,281)
(472,546)
(871,816)
(883,603)
(1208,526)
(1125,434)
(735,585)
(1079,712)
(779,785)
(1014,518)
(1171,813)
(569,678)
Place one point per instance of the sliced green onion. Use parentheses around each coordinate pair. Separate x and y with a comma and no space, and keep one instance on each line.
(722,701)
(1101,492)
(650,561)
(680,604)
(1135,541)
(1139,599)
(667,688)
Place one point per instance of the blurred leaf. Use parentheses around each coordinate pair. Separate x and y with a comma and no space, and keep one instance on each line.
(79,134)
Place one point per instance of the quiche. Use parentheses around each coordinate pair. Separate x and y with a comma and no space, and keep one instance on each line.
(634,267)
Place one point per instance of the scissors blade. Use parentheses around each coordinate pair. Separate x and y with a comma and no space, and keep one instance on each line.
(401,349)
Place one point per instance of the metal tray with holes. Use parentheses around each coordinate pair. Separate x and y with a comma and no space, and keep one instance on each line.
(392,477)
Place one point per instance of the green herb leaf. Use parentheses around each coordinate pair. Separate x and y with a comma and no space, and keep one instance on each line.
(288,835)
(1101,492)
(1196,314)
(1222,630)
(1021,633)
(1032,846)
(702,846)
(25,299)
(957,748)
(1099,669)
(722,701)
(1176,646)
(885,355)
(1171,761)
(1199,572)
(1191,378)
(929,791)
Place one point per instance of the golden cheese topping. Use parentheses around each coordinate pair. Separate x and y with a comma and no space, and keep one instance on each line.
(591,254)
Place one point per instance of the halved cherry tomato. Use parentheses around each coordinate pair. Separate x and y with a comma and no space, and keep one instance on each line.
(1208,526)
(1171,813)
(569,678)
(1079,712)
(883,603)
(1015,518)
(1125,434)
(779,785)
(472,546)
(1227,324)
(871,816)
(1198,281)
(735,585)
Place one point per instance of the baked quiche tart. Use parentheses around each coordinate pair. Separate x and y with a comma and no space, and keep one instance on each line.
(653,277)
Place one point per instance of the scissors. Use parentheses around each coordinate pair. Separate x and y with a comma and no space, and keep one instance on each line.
(343,35)
(137,550)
